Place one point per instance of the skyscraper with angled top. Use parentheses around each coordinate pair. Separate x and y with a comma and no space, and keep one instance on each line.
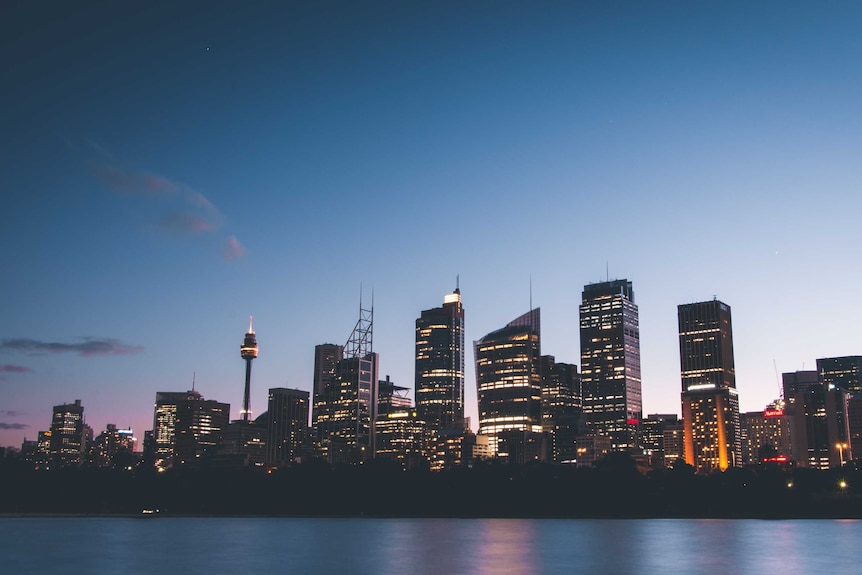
(611,362)
(439,376)
(710,404)
(346,404)
(509,382)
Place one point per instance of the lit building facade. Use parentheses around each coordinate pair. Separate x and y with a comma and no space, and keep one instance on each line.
(561,407)
(68,434)
(326,358)
(401,436)
(509,384)
(653,428)
(287,425)
(439,374)
(710,404)
(766,435)
(610,362)
(186,427)
(347,404)
(113,447)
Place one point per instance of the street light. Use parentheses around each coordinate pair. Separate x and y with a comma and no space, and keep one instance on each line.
(841,447)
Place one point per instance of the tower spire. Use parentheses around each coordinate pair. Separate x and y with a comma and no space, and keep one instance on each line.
(248,351)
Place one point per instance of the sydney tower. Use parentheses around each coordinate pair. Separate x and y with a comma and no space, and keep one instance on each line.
(248,351)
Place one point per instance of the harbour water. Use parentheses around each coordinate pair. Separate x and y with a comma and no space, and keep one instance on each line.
(130,546)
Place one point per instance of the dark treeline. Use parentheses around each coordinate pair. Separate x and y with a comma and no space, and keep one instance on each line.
(612,489)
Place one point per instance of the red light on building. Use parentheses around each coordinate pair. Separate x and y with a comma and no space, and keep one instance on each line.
(773,413)
(779,459)
(632,422)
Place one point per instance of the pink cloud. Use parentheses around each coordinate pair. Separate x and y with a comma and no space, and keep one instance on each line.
(90,347)
(14,369)
(185,223)
(232,249)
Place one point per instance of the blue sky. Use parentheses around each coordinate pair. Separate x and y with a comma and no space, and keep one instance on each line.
(166,171)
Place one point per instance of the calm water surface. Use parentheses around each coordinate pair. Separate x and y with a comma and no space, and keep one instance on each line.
(425,546)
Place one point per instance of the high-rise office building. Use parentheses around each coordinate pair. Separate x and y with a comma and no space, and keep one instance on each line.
(821,431)
(508,378)
(710,404)
(796,381)
(326,358)
(439,382)
(843,372)
(186,427)
(68,436)
(287,425)
(248,351)
(653,432)
(766,435)
(347,402)
(561,407)
(611,362)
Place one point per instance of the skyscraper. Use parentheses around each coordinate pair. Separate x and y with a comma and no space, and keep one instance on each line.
(710,405)
(561,407)
(508,378)
(843,372)
(68,434)
(347,402)
(287,424)
(611,362)
(186,427)
(440,364)
(326,358)
(248,351)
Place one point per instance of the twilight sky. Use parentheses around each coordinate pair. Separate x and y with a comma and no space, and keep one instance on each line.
(166,170)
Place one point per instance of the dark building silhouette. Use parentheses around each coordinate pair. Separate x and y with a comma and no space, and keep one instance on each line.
(186,427)
(710,404)
(287,425)
(843,372)
(610,362)
(796,381)
(326,358)
(243,443)
(439,382)
(821,431)
(561,407)
(248,351)
(508,378)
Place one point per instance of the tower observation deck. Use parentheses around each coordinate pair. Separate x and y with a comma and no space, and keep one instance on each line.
(248,351)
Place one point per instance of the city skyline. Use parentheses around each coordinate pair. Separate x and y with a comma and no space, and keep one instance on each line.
(170,170)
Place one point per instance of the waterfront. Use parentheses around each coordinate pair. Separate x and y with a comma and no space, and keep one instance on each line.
(187,545)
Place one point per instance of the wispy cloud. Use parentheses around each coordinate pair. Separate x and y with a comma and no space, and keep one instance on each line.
(134,182)
(89,347)
(11,413)
(232,249)
(185,211)
(9,368)
(185,223)
(4,425)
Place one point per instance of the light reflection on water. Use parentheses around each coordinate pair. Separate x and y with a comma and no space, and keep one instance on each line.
(424,546)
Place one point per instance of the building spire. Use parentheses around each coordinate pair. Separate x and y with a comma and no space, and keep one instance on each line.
(250,319)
